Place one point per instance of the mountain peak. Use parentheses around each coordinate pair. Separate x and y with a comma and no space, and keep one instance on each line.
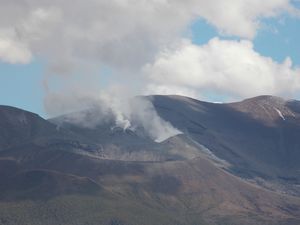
(14,115)
(18,126)
(266,108)
(267,99)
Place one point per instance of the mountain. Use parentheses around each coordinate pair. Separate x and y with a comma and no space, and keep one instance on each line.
(259,137)
(18,126)
(234,163)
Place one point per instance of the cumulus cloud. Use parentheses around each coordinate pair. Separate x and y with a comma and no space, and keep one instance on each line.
(123,35)
(120,33)
(226,67)
(242,18)
(14,52)
(166,88)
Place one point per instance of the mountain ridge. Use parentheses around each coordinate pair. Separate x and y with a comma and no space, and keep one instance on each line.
(227,167)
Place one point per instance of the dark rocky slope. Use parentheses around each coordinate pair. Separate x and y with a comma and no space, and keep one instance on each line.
(66,174)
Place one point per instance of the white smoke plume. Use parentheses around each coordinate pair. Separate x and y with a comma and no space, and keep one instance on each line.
(127,112)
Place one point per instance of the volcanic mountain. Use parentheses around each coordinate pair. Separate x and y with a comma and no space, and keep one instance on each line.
(236,163)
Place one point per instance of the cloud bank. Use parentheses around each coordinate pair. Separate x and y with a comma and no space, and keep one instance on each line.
(230,68)
(123,34)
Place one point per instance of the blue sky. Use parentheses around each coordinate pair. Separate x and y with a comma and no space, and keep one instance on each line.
(278,38)
(22,85)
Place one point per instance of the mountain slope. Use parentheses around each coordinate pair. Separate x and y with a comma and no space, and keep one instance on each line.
(18,126)
(69,174)
(259,137)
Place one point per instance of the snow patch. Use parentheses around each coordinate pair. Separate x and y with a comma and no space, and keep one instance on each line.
(280,113)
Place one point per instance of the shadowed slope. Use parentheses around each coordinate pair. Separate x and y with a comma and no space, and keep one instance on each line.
(259,136)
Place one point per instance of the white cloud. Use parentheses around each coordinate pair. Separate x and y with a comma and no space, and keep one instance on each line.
(125,35)
(229,68)
(242,18)
(120,33)
(161,88)
(14,52)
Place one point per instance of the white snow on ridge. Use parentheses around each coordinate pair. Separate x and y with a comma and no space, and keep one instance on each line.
(280,113)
